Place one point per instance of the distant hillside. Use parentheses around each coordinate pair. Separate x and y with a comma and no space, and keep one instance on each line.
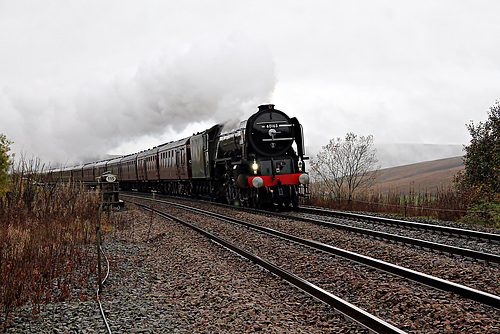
(422,176)
(391,155)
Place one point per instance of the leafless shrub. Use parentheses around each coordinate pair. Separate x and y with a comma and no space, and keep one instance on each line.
(42,231)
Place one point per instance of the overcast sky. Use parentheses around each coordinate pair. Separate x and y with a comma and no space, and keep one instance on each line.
(80,79)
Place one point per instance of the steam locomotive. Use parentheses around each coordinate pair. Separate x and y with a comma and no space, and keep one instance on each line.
(258,162)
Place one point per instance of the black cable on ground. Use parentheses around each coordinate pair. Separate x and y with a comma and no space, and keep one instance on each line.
(97,292)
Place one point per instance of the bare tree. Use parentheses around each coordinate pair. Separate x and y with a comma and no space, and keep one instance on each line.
(345,165)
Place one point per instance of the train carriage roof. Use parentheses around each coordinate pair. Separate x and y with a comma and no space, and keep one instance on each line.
(116,160)
(89,165)
(77,167)
(130,157)
(174,144)
(149,152)
(101,163)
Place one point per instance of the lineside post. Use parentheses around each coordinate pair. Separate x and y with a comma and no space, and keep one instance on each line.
(108,187)
(99,260)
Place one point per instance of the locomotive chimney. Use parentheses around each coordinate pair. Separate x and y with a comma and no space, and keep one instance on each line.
(266,107)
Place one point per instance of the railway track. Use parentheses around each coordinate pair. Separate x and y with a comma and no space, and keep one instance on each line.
(418,242)
(349,221)
(466,233)
(474,294)
(356,314)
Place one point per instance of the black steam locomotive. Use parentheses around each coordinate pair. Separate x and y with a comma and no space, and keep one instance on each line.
(256,163)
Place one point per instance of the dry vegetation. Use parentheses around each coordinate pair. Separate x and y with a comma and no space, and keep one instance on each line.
(42,232)
(442,203)
(417,190)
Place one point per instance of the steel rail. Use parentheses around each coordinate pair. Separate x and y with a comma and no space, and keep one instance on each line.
(392,221)
(465,252)
(493,258)
(358,315)
(429,280)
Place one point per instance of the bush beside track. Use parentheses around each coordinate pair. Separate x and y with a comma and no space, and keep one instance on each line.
(43,231)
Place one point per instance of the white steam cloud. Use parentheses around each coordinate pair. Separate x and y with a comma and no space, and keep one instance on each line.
(212,81)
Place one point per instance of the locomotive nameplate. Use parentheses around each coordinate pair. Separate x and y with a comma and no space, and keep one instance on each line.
(271,126)
(275,126)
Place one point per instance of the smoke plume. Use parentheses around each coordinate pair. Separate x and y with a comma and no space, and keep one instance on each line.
(206,82)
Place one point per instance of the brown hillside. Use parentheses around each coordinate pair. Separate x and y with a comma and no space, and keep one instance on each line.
(422,177)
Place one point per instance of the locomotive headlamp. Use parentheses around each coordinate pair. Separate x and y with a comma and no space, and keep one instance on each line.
(255,166)
(304,179)
(257,182)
